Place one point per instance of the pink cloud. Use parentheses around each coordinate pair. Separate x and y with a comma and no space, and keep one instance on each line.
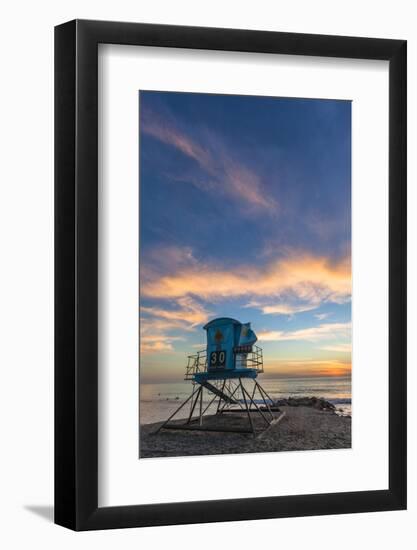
(226,176)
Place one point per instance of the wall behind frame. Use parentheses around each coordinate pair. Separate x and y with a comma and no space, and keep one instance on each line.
(26,289)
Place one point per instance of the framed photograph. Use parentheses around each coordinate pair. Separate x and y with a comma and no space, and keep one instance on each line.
(230,284)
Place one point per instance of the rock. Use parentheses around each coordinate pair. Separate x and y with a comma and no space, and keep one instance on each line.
(280,402)
(316,402)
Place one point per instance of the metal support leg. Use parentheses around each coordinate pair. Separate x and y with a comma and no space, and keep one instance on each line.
(246,405)
(201,406)
(220,399)
(256,406)
(192,401)
(176,411)
(261,391)
(254,390)
(194,404)
(210,402)
(264,392)
(231,395)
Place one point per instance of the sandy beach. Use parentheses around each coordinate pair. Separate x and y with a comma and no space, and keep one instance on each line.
(305,425)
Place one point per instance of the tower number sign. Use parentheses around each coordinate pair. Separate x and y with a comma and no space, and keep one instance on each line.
(217,359)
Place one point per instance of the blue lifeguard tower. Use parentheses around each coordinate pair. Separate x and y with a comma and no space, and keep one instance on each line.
(227,371)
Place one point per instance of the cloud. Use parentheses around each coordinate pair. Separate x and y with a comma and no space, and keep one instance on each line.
(342,348)
(321,316)
(153,347)
(152,343)
(164,131)
(163,258)
(327,331)
(157,322)
(310,279)
(225,174)
(149,325)
(282,308)
(188,315)
(246,185)
(154,337)
(286,309)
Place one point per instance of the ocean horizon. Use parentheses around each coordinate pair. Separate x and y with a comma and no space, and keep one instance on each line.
(160,399)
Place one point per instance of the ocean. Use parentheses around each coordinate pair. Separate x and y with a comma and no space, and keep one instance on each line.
(158,401)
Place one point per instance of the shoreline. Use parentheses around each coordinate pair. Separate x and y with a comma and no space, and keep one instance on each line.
(309,423)
(159,408)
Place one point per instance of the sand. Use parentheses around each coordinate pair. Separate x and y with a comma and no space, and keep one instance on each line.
(301,428)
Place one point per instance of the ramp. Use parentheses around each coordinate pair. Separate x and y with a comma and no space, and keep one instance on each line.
(218,392)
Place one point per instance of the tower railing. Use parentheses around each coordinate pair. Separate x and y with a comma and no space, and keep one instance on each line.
(251,360)
(198,362)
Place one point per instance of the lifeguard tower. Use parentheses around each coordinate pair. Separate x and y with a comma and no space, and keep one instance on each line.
(227,372)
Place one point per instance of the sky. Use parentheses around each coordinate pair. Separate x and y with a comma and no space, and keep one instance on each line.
(245,212)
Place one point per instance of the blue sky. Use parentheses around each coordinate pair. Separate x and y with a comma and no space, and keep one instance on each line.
(245,212)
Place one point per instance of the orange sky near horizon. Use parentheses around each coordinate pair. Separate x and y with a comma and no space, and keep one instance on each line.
(314,368)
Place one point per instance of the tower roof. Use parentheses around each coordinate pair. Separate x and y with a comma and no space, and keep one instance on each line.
(221,321)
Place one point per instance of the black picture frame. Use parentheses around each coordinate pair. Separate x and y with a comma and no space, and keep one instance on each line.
(76,272)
